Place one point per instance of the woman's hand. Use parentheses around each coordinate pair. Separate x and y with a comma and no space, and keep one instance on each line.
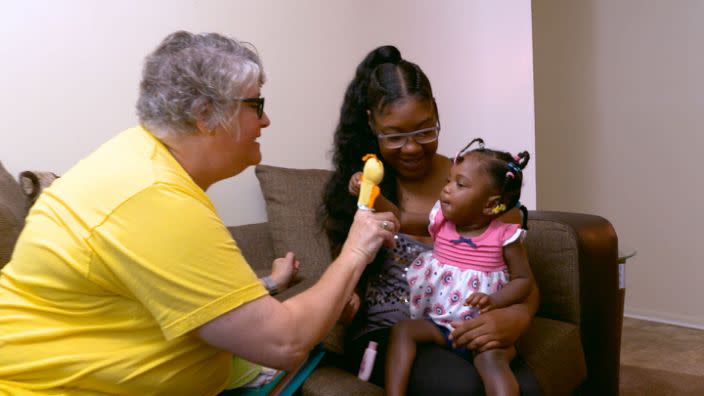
(368,232)
(355,182)
(499,328)
(283,270)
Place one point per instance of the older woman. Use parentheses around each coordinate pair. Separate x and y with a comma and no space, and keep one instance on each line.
(126,281)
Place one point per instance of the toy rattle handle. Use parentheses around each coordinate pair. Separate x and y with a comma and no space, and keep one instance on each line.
(372,175)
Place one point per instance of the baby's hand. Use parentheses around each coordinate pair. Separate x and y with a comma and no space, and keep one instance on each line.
(481,301)
(355,182)
(284,269)
(350,309)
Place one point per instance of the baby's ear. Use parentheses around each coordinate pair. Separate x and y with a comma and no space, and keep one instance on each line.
(492,203)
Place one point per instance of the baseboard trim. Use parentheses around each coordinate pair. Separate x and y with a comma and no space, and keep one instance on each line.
(660,319)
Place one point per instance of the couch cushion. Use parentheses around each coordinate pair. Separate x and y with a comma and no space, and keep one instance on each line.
(326,381)
(293,198)
(254,240)
(553,350)
(13,209)
(554,256)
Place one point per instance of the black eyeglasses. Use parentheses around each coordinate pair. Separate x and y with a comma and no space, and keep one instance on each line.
(259,102)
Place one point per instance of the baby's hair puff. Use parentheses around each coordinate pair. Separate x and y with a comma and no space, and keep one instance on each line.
(505,170)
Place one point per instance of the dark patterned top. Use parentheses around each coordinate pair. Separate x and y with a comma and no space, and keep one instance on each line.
(386,295)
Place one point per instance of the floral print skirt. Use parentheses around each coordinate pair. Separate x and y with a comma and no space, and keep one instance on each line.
(438,291)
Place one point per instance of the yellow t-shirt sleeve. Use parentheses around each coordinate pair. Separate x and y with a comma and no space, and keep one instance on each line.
(170,251)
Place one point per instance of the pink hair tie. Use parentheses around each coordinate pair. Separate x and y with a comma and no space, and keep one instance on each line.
(517,158)
(510,174)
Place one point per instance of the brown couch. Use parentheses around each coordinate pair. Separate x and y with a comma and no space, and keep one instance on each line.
(572,345)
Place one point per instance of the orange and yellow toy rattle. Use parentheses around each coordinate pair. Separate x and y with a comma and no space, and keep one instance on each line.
(372,174)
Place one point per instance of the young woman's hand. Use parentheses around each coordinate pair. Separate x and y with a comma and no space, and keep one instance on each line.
(355,182)
(499,328)
(283,270)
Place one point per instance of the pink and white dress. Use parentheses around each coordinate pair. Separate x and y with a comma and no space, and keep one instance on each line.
(441,280)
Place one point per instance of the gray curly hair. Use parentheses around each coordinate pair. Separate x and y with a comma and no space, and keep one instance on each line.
(192,77)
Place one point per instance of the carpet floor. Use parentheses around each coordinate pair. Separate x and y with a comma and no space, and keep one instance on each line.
(638,381)
(661,360)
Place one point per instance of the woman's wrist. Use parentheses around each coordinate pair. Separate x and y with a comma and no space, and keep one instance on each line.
(521,316)
(354,258)
(270,284)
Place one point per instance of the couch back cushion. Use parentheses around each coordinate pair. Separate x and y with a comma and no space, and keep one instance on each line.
(293,197)
(34,182)
(13,210)
(554,258)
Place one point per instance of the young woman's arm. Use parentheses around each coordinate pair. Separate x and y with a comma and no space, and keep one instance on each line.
(412,223)
(351,308)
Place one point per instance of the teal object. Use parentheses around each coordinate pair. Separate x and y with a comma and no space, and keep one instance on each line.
(290,384)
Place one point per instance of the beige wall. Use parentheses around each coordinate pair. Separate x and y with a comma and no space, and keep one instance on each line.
(70,71)
(619,102)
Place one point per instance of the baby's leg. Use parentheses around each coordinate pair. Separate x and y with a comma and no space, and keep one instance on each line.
(402,351)
(493,367)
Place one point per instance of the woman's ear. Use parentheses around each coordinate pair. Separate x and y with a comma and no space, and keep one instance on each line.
(202,126)
(202,114)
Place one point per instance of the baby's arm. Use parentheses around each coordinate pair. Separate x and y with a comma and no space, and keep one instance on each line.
(517,289)
(521,282)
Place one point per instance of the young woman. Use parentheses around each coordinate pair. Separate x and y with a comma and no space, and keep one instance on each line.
(389,110)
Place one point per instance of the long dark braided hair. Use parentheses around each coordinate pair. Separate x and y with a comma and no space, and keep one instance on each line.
(381,79)
(506,172)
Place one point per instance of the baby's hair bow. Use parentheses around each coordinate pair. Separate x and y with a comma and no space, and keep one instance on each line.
(514,168)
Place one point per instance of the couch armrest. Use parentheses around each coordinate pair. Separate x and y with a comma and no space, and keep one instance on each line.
(600,301)
(254,240)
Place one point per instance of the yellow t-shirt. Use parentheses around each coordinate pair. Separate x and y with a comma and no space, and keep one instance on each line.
(120,259)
